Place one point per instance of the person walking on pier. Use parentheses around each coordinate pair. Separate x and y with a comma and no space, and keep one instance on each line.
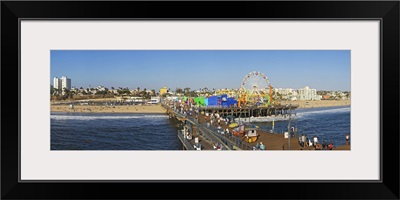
(262,146)
(347,139)
(310,144)
(315,140)
(300,142)
(305,140)
(257,146)
(324,145)
(330,146)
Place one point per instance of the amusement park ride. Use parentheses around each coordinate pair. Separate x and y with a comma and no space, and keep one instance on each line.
(255,90)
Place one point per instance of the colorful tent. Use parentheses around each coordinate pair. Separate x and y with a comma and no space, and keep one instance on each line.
(206,101)
(213,101)
(199,101)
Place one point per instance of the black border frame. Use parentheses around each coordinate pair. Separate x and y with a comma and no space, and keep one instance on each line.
(217,181)
(386,11)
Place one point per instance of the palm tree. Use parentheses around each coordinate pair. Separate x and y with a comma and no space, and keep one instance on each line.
(71,94)
(193,94)
(65,93)
(187,90)
(51,89)
(178,90)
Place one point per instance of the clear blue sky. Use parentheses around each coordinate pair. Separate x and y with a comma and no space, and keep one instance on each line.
(153,69)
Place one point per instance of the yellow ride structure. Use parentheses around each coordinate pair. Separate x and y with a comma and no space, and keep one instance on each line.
(255,90)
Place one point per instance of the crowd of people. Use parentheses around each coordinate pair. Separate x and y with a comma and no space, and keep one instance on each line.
(259,146)
(304,141)
(215,120)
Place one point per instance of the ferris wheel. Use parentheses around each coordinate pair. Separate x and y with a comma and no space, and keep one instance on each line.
(255,85)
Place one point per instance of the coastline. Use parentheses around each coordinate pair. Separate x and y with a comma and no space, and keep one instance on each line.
(273,141)
(137,109)
(319,104)
(158,109)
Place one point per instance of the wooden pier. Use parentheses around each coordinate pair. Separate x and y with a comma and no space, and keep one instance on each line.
(205,135)
(250,111)
(208,135)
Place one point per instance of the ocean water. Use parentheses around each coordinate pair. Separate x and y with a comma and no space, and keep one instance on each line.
(329,124)
(95,131)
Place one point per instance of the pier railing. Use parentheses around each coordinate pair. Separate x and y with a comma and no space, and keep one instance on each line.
(231,139)
(207,134)
(184,141)
(228,140)
(213,135)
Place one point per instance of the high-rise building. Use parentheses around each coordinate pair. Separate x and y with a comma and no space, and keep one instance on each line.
(66,83)
(57,83)
(61,83)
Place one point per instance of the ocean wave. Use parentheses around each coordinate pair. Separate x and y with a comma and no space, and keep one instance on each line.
(103,117)
(295,115)
(336,110)
(264,119)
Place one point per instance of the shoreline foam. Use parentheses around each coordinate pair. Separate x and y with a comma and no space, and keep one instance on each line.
(158,109)
(319,104)
(138,109)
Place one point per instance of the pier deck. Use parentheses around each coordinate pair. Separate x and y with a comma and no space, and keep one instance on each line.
(250,111)
(208,135)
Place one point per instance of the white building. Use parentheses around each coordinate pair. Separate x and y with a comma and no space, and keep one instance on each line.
(308,94)
(135,100)
(101,88)
(66,83)
(61,83)
(57,83)
(74,89)
(286,93)
(155,100)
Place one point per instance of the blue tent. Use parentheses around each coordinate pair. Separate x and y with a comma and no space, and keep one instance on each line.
(206,101)
(212,101)
(231,102)
(224,97)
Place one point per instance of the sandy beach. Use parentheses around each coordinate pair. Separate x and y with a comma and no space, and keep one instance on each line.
(160,109)
(155,109)
(318,104)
